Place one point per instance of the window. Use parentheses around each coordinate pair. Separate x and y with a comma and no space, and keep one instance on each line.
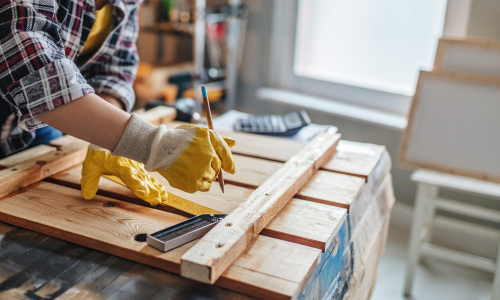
(372,44)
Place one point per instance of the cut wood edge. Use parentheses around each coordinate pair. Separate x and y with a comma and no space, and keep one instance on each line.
(227,240)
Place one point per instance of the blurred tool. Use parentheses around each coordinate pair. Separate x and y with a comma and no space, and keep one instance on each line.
(276,125)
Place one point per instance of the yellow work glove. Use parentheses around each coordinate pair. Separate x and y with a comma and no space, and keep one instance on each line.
(100,162)
(190,157)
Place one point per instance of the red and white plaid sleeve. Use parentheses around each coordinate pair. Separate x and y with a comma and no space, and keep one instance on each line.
(35,75)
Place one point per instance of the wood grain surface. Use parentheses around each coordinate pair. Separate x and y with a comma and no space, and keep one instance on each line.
(22,156)
(235,194)
(307,223)
(110,225)
(38,168)
(226,241)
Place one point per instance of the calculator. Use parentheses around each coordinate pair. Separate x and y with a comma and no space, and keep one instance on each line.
(275,125)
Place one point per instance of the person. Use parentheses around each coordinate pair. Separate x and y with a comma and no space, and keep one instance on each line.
(71,64)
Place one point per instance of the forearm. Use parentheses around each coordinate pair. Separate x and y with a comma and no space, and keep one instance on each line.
(91,119)
(112,100)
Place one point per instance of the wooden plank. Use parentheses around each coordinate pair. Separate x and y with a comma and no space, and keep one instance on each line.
(251,172)
(352,158)
(325,217)
(158,115)
(38,168)
(259,146)
(18,158)
(110,225)
(332,189)
(72,178)
(356,159)
(218,249)
(324,187)
(306,223)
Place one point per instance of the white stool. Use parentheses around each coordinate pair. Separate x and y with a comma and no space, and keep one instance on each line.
(426,203)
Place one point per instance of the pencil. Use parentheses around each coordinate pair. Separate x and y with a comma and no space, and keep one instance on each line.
(211,126)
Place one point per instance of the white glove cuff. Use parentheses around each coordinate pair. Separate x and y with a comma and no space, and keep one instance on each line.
(137,139)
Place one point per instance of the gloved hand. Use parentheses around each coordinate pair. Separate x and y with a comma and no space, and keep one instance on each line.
(100,162)
(189,157)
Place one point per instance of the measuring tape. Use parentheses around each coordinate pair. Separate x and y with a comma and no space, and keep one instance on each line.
(177,202)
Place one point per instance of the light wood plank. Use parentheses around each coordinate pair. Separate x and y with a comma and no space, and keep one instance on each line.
(306,223)
(234,195)
(332,189)
(324,187)
(18,158)
(259,250)
(352,158)
(38,168)
(226,241)
(251,172)
(110,225)
(356,159)
(158,115)
(259,146)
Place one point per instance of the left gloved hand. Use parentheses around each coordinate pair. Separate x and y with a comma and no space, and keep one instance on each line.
(100,161)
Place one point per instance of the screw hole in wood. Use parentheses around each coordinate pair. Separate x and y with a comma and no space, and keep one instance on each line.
(141,237)
(219,245)
(111,204)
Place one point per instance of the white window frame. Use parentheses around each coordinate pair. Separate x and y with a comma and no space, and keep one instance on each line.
(282,76)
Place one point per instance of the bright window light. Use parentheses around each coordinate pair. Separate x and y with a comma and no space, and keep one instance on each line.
(375,44)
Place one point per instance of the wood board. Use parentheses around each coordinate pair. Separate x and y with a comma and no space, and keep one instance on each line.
(268,268)
(208,259)
(471,56)
(25,155)
(452,125)
(38,168)
(319,221)
(352,158)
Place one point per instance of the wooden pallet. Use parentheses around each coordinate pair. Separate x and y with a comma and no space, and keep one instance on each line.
(276,265)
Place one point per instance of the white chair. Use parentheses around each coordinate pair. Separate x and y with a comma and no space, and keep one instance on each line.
(426,203)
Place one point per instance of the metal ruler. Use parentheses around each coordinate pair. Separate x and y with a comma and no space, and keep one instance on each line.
(177,202)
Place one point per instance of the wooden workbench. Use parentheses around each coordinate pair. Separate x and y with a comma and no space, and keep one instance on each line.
(326,241)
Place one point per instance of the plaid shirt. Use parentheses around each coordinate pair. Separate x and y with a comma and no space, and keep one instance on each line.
(40,43)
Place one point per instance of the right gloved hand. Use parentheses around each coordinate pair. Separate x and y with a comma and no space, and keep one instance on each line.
(189,157)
